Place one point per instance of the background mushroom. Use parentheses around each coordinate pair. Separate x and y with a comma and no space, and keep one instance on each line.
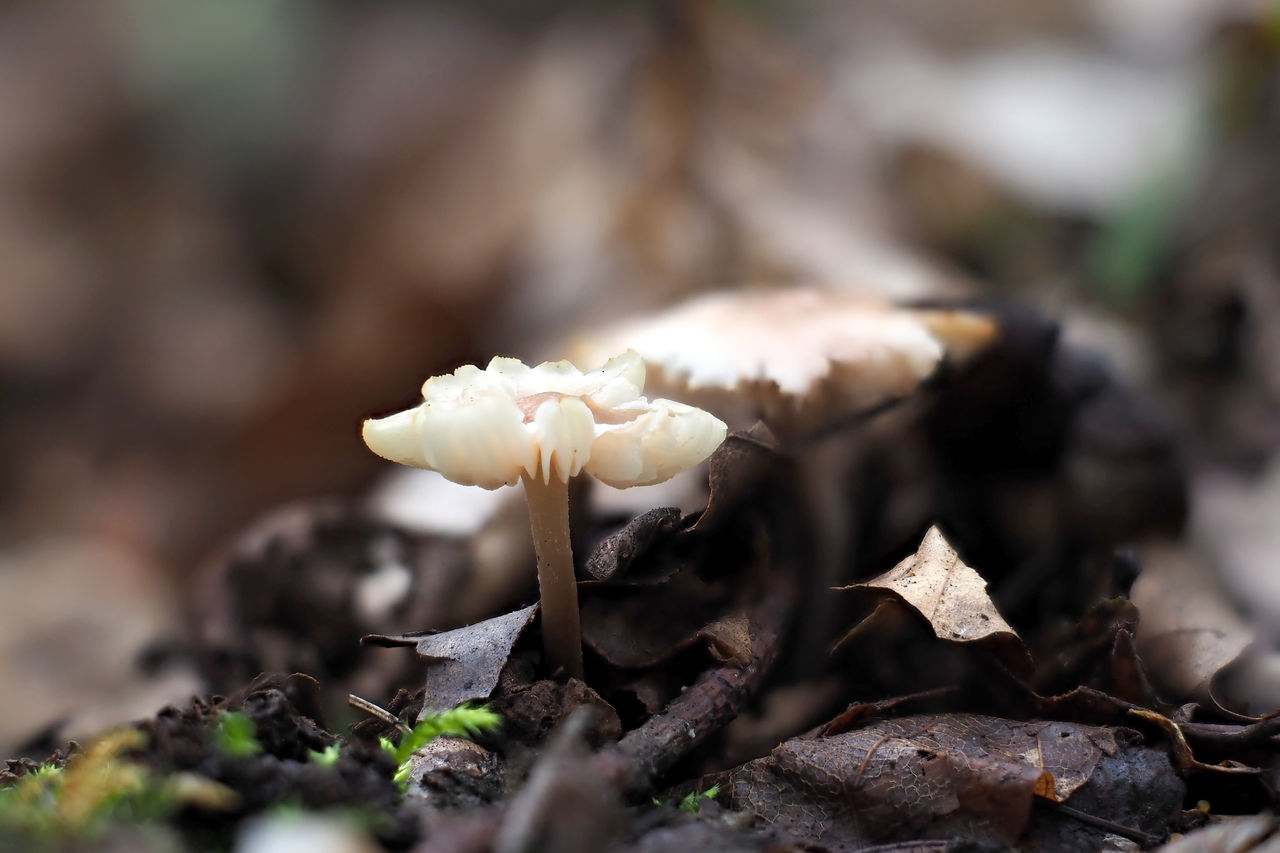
(806,361)
(543,425)
(802,359)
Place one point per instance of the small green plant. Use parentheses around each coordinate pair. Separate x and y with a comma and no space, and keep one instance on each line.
(462,721)
(328,756)
(692,802)
(236,735)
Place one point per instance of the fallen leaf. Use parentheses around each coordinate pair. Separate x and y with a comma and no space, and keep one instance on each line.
(1181,750)
(1189,630)
(623,630)
(939,776)
(737,466)
(935,584)
(465,662)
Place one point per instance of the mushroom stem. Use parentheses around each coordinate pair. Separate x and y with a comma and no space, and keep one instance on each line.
(557,587)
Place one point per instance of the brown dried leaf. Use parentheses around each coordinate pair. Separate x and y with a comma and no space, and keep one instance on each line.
(465,662)
(932,776)
(1189,630)
(624,632)
(740,463)
(951,597)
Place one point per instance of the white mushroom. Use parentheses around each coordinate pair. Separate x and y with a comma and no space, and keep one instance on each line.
(800,358)
(806,360)
(544,425)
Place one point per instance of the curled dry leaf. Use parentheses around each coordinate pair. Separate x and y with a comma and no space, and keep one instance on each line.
(465,662)
(952,597)
(734,471)
(1189,631)
(945,776)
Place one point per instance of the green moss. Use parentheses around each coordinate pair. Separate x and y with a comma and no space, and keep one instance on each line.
(236,735)
(692,802)
(96,788)
(463,721)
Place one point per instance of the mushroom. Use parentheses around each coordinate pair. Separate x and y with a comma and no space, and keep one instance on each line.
(801,358)
(543,425)
(806,361)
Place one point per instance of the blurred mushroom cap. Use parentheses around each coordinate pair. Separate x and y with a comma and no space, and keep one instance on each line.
(800,358)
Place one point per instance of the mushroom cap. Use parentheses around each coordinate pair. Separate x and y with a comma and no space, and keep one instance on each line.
(798,357)
(490,427)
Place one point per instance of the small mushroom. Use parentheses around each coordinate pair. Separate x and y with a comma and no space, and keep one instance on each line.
(543,425)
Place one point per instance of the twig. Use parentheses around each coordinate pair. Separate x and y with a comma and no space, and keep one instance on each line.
(1182,752)
(377,711)
(1146,839)
(710,703)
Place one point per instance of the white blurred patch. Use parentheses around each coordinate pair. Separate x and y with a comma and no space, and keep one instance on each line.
(686,490)
(1165,27)
(384,588)
(425,502)
(1069,129)
(302,834)
(1238,519)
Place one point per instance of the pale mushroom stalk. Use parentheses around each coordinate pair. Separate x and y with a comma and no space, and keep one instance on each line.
(557,586)
(544,425)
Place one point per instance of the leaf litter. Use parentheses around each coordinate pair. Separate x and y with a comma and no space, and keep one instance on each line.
(685,619)
(463,664)
(951,597)
(1035,461)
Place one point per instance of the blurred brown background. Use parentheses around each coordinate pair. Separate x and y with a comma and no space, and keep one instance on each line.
(229,231)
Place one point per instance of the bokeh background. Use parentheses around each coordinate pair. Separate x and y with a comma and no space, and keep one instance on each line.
(230,230)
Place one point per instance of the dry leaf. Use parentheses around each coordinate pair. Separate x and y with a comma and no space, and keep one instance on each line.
(734,474)
(951,597)
(624,631)
(945,776)
(1189,631)
(465,662)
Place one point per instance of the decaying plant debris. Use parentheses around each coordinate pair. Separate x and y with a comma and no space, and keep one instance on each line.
(935,724)
(949,583)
